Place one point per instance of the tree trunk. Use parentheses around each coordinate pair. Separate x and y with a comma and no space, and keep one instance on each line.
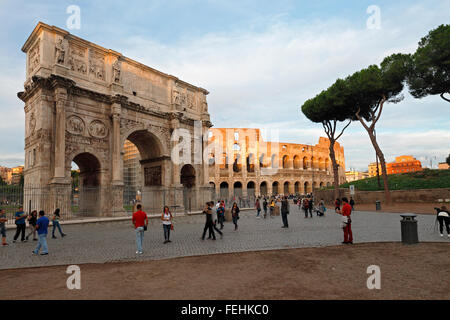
(335,169)
(380,155)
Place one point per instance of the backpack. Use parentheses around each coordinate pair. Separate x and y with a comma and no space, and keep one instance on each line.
(305,203)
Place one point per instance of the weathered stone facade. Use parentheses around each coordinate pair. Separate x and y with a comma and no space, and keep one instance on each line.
(82,102)
(242,164)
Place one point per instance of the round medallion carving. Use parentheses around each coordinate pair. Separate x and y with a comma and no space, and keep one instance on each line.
(97,129)
(75,125)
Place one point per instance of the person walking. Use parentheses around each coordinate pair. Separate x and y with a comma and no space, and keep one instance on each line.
(55,219)
(285,212)
(3,221)
(140,222)
(347,222)
(352,204)
(443,217)
(32,220)
(305,206)
(235,215)
(20,217)
(311,205)
(265,204)
(166,219)
(42,230)
(337,205)
(207,211)
(258,207)
(221,215)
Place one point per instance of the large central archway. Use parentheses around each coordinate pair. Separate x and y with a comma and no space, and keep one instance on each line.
(145,170)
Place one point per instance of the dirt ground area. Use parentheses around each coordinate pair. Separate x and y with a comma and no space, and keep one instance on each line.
(423,208)
(339,272)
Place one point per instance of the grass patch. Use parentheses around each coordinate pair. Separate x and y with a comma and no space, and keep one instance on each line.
(426,179)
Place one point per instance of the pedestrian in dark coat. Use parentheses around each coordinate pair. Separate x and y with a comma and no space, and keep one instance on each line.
(285,212)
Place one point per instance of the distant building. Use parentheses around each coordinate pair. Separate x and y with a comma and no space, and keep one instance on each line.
(402,164)
(6,174)
(353,175)
(443,166)
(373,169)
(17,173)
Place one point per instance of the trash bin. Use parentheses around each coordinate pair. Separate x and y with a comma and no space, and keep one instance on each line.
(409,228)
(378,205)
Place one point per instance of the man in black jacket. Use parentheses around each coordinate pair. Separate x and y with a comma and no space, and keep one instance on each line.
(285,212)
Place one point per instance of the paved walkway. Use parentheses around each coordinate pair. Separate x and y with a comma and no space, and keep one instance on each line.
(115,241)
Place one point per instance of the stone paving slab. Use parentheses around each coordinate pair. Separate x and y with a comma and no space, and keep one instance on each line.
(115,241)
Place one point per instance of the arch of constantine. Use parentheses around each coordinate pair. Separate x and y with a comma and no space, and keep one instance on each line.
(82,104)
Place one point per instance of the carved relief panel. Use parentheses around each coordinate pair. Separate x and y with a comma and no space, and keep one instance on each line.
(77,59)
(96,65)
(34,57)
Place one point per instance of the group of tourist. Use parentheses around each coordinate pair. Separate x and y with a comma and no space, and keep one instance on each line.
(38,224)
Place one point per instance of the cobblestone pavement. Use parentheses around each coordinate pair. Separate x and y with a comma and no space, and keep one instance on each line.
(115,241)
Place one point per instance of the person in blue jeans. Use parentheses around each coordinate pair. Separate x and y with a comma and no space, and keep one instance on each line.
(21,225)
(42,229)
(56,217)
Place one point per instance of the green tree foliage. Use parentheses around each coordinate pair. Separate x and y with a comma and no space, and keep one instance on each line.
(368,91)
(448,160)
(429,72)
(328,108)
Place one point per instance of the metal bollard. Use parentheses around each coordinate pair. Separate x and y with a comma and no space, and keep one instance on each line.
(378,205)
(409,228)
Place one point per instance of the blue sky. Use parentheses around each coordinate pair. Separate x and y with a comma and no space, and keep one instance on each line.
(259,59)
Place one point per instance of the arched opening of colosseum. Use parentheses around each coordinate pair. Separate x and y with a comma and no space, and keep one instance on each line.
(322,185)
(327,164)
(275,190)
(297,162)
(263,188)
(237,187)
(251,189)
(297,187)
(286,162)
(307,187)
(250,163)
(224,191)
(305,163)
(87,195)
(286,188)
(237,166)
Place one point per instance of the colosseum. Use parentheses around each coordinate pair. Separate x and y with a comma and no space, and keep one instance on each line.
(243,165)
